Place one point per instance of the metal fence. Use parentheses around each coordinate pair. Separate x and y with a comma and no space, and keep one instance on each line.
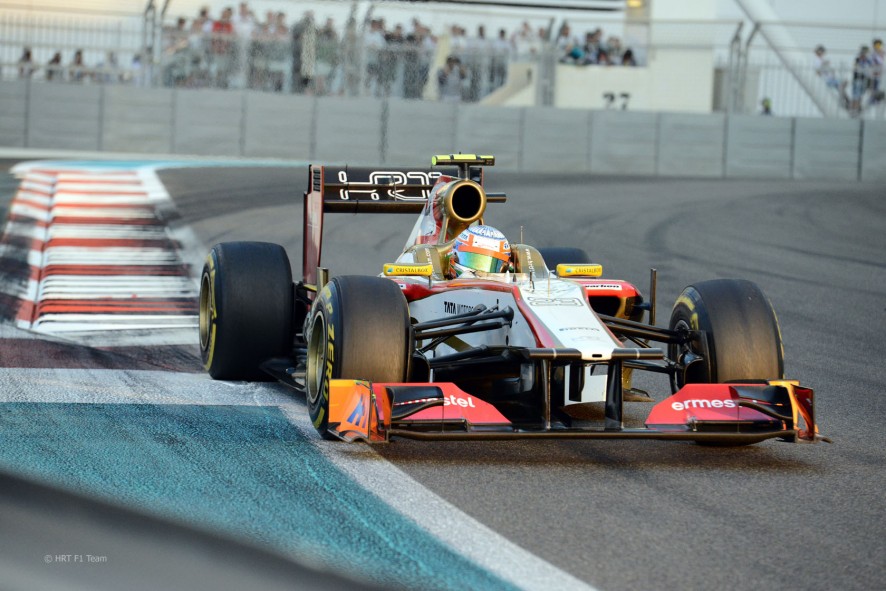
(754,74)
(45,46)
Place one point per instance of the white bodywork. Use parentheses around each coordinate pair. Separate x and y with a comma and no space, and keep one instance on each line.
(559,306)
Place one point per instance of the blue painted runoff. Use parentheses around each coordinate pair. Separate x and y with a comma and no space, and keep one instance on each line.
(242,470)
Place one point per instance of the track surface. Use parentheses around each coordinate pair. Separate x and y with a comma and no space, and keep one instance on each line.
(653,514)
(618,515)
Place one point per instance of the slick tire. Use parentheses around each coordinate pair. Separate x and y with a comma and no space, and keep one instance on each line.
(743,337)
(245,309)
(359,328)
(559,255)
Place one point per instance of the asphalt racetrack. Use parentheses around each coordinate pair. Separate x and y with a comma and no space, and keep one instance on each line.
(613,515)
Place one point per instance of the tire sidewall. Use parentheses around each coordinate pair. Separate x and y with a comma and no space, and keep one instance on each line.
(209,320)
(322,328)
(689,312)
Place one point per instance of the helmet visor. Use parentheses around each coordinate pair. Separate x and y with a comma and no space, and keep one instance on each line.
(481,262)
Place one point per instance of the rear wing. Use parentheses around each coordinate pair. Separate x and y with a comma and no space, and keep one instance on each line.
(381,189)
(353,189)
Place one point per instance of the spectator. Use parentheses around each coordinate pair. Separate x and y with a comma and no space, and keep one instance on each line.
(389,59)
(451,80)
(351,53)
(108,70)
(327,58)
(202,25)
(861,79)
(244,22)
(501,49)
(524,43)
(244,27)
(136,74)
(222,49)
(269,53)
(77,71)
(822,66)
(373,44)
(475,60)
(199,45)
(175,54)
(416,62)
(628,58)
(877,59)
(594,50)
(308,53)
(568,47)
(614,49)
(26,64)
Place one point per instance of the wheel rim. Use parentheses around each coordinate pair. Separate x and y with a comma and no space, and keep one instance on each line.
(316,359)
(206,311)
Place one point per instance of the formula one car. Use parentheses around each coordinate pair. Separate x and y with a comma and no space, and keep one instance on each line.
(505,353)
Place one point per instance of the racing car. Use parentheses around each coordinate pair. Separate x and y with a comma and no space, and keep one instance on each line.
(416,350)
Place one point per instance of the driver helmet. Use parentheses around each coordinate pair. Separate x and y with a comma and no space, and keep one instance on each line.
(479,248)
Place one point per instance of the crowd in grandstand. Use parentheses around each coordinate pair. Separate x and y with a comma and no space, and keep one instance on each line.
(237,49)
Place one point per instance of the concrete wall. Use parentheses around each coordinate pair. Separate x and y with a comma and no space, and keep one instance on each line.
(14,114)
(277,126)
(691,145)
(624,142)
(132,117)
(400,132)
(759,147)
(873,151)
(417,129)
(208,123)
(65,117)
(827,149)
(556,140)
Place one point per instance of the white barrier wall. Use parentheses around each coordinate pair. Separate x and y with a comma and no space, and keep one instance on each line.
(278,126)
(64,117)
(400,132)
(556,140)
(691,145)
(759,147)
(13,114)
(132,117)
(826,149)
(416,129)
(208,123)
(873,151)
(348,130)
(624,142)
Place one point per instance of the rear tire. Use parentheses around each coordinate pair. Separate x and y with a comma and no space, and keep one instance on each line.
(245,309)
(560,255)
(743,337)
(359,328)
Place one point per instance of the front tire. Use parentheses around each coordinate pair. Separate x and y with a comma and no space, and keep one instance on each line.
(743,337)
(245,309)
(359,328)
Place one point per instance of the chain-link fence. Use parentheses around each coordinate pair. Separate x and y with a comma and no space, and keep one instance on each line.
(407,50)
(71,47)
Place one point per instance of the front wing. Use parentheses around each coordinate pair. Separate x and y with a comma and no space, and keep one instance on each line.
(726,414)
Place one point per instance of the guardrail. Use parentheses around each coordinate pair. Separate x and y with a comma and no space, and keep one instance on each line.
(118,118)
